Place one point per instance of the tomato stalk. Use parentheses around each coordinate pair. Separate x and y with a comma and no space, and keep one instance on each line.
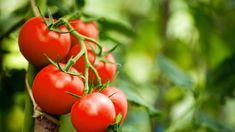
(83,52)
(37,110)
(34,8)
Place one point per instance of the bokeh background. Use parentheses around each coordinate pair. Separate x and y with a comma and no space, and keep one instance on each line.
(177,61)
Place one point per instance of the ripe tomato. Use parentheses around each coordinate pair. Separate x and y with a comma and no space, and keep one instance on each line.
(119,100)
(50,86)
(106,70)
(88,29)
(36,42)
(80,63)
(93,113)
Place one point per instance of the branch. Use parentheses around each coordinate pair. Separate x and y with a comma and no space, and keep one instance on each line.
(34,8)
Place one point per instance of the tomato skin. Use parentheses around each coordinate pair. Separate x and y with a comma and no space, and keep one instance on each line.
(36,42)
(80,63)
(88,29)
(106,70)
(50,86)
(93,113)
(119,100)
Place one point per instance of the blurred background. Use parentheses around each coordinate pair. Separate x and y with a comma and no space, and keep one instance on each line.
(177,61)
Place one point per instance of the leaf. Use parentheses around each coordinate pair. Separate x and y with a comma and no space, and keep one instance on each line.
(174,73)
(134,99)
(206,121)
(116,26)
(221,81)
(113,128)
(80,3)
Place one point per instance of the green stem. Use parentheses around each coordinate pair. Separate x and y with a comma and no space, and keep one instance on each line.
(34,8)
(87,89)
(29,102)
(97,75)
(28,119)
(88,65)
(93,40)
(73,60)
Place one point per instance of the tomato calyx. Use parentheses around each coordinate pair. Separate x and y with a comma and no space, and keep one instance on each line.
(74,95)
(115,126)
(52,24)
(64,69)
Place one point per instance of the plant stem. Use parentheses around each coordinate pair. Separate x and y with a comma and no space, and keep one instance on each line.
(73,60)
(28,119)
(29,90)
(34,8)
(88,65)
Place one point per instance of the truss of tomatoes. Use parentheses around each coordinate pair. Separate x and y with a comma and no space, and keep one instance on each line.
(52,87)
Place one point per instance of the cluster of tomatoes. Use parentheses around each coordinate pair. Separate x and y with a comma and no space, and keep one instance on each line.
(53,88)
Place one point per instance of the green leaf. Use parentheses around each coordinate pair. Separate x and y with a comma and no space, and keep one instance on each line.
(80,3)
(221,81)
(108,25)
(153,112)
(134,99)
(113,128)
(204,120)
(174,73)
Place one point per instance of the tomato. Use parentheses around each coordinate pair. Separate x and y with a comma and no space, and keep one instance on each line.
(80,63)
(93,113)
(50,86)
(88,29)
(119,100)
(36,42)
(106,70)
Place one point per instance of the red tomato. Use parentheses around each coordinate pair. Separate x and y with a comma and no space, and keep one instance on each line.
(106,70)
(36,42)
(93,113)
(88,29)
(119,100)
(50,86)
(80,63)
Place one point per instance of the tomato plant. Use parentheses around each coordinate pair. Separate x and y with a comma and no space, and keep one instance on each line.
(50,86)
(106,69)
(36,42)
(93,112)
(55,86)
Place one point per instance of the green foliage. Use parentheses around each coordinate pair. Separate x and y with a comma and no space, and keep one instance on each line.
(204,120)
(173,73)
(221,80)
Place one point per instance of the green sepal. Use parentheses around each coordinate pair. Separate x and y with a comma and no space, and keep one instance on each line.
(115,127)
(72,94)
